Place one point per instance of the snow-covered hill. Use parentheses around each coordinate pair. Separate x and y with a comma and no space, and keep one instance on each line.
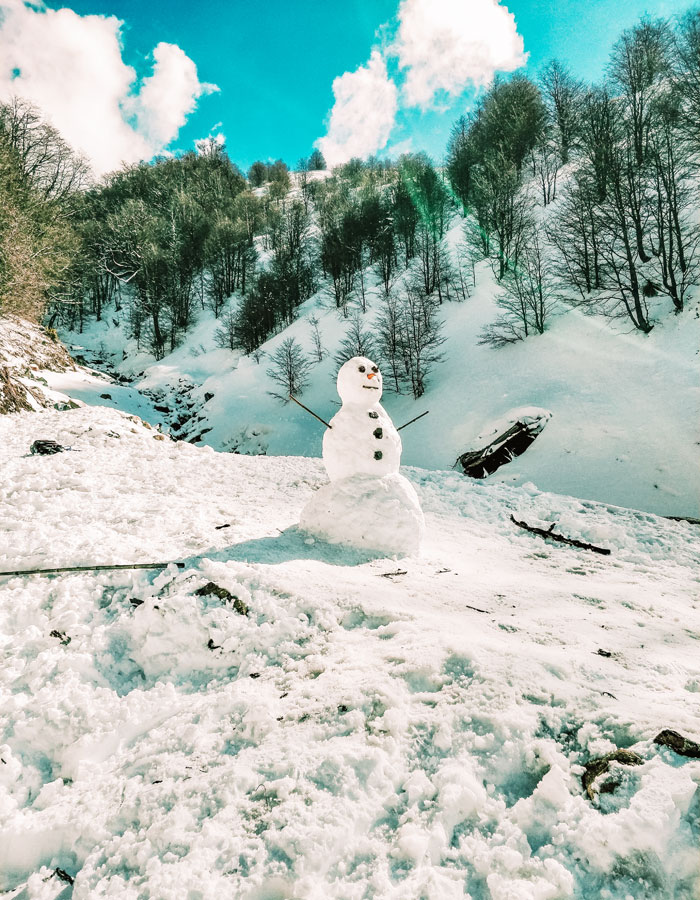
(626,406)
(336,726)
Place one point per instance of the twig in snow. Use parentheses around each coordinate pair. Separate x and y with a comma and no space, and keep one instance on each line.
(62,875)
(391,574)
(476,608)
(550,533)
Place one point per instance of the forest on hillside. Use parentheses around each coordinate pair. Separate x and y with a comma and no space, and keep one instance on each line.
(157,243)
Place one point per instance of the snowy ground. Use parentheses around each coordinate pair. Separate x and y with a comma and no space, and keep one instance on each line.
(373,728)
(94,389)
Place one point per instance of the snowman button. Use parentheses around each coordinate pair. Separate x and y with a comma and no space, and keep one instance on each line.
(378,454)
(374,415)
(378,433)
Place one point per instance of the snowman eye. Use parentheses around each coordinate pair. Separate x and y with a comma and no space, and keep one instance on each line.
(375,369)
(362,368)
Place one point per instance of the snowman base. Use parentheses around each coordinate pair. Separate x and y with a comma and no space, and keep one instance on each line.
(367,513)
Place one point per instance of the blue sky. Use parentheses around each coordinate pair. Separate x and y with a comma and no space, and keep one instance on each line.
(275,62)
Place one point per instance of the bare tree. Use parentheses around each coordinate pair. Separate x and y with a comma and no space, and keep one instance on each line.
(319,351)
(47,162)
(528,299)
(546,162)
(563,96)
(226,335)
(387,327)
(617,235)
(640,60)
(676,196)
(573,234)
(358,341)
(421,336)
(289,368)
(687,52)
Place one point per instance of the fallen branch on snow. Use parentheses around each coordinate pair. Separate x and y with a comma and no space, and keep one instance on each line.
(550,533)
(691,519)
(61,571)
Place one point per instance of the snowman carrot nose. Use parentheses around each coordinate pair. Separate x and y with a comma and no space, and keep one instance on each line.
(371,374)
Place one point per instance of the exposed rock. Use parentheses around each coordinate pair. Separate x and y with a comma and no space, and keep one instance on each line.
(46,448)
(14,396)
(597,767)
(510,442)
(679,744)
(212,589)
(26,349)
(62,637)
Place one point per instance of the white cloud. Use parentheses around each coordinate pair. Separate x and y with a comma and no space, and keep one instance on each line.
(363,113)
(441,46)
(444,45)
(169,95)
(71,67)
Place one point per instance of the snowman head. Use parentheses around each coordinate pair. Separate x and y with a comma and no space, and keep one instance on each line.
(360,382)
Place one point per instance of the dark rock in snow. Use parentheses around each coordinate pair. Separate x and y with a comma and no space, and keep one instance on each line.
(63,876)
(211,589)
(46,448)
(106,396)
(62,637)
(508,445)
(680,745)
(597,767)
(208,397)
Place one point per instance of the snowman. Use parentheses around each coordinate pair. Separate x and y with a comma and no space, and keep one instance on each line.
(368,505)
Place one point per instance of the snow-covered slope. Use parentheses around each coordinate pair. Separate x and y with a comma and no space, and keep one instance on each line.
(372,728)
(626,406)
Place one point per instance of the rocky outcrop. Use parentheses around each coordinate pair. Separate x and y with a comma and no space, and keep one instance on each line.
(25,350)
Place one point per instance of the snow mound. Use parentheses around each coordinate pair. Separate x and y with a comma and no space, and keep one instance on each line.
(366,513)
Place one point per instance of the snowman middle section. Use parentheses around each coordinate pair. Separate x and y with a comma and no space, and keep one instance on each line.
(361,441)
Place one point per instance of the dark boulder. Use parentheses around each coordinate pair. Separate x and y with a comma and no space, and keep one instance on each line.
(508,444)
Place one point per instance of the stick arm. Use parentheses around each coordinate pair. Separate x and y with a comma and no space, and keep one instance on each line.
(310,411)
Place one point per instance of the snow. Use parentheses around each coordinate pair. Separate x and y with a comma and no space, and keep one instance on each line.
(94,389)
(624,406)
(361,733)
